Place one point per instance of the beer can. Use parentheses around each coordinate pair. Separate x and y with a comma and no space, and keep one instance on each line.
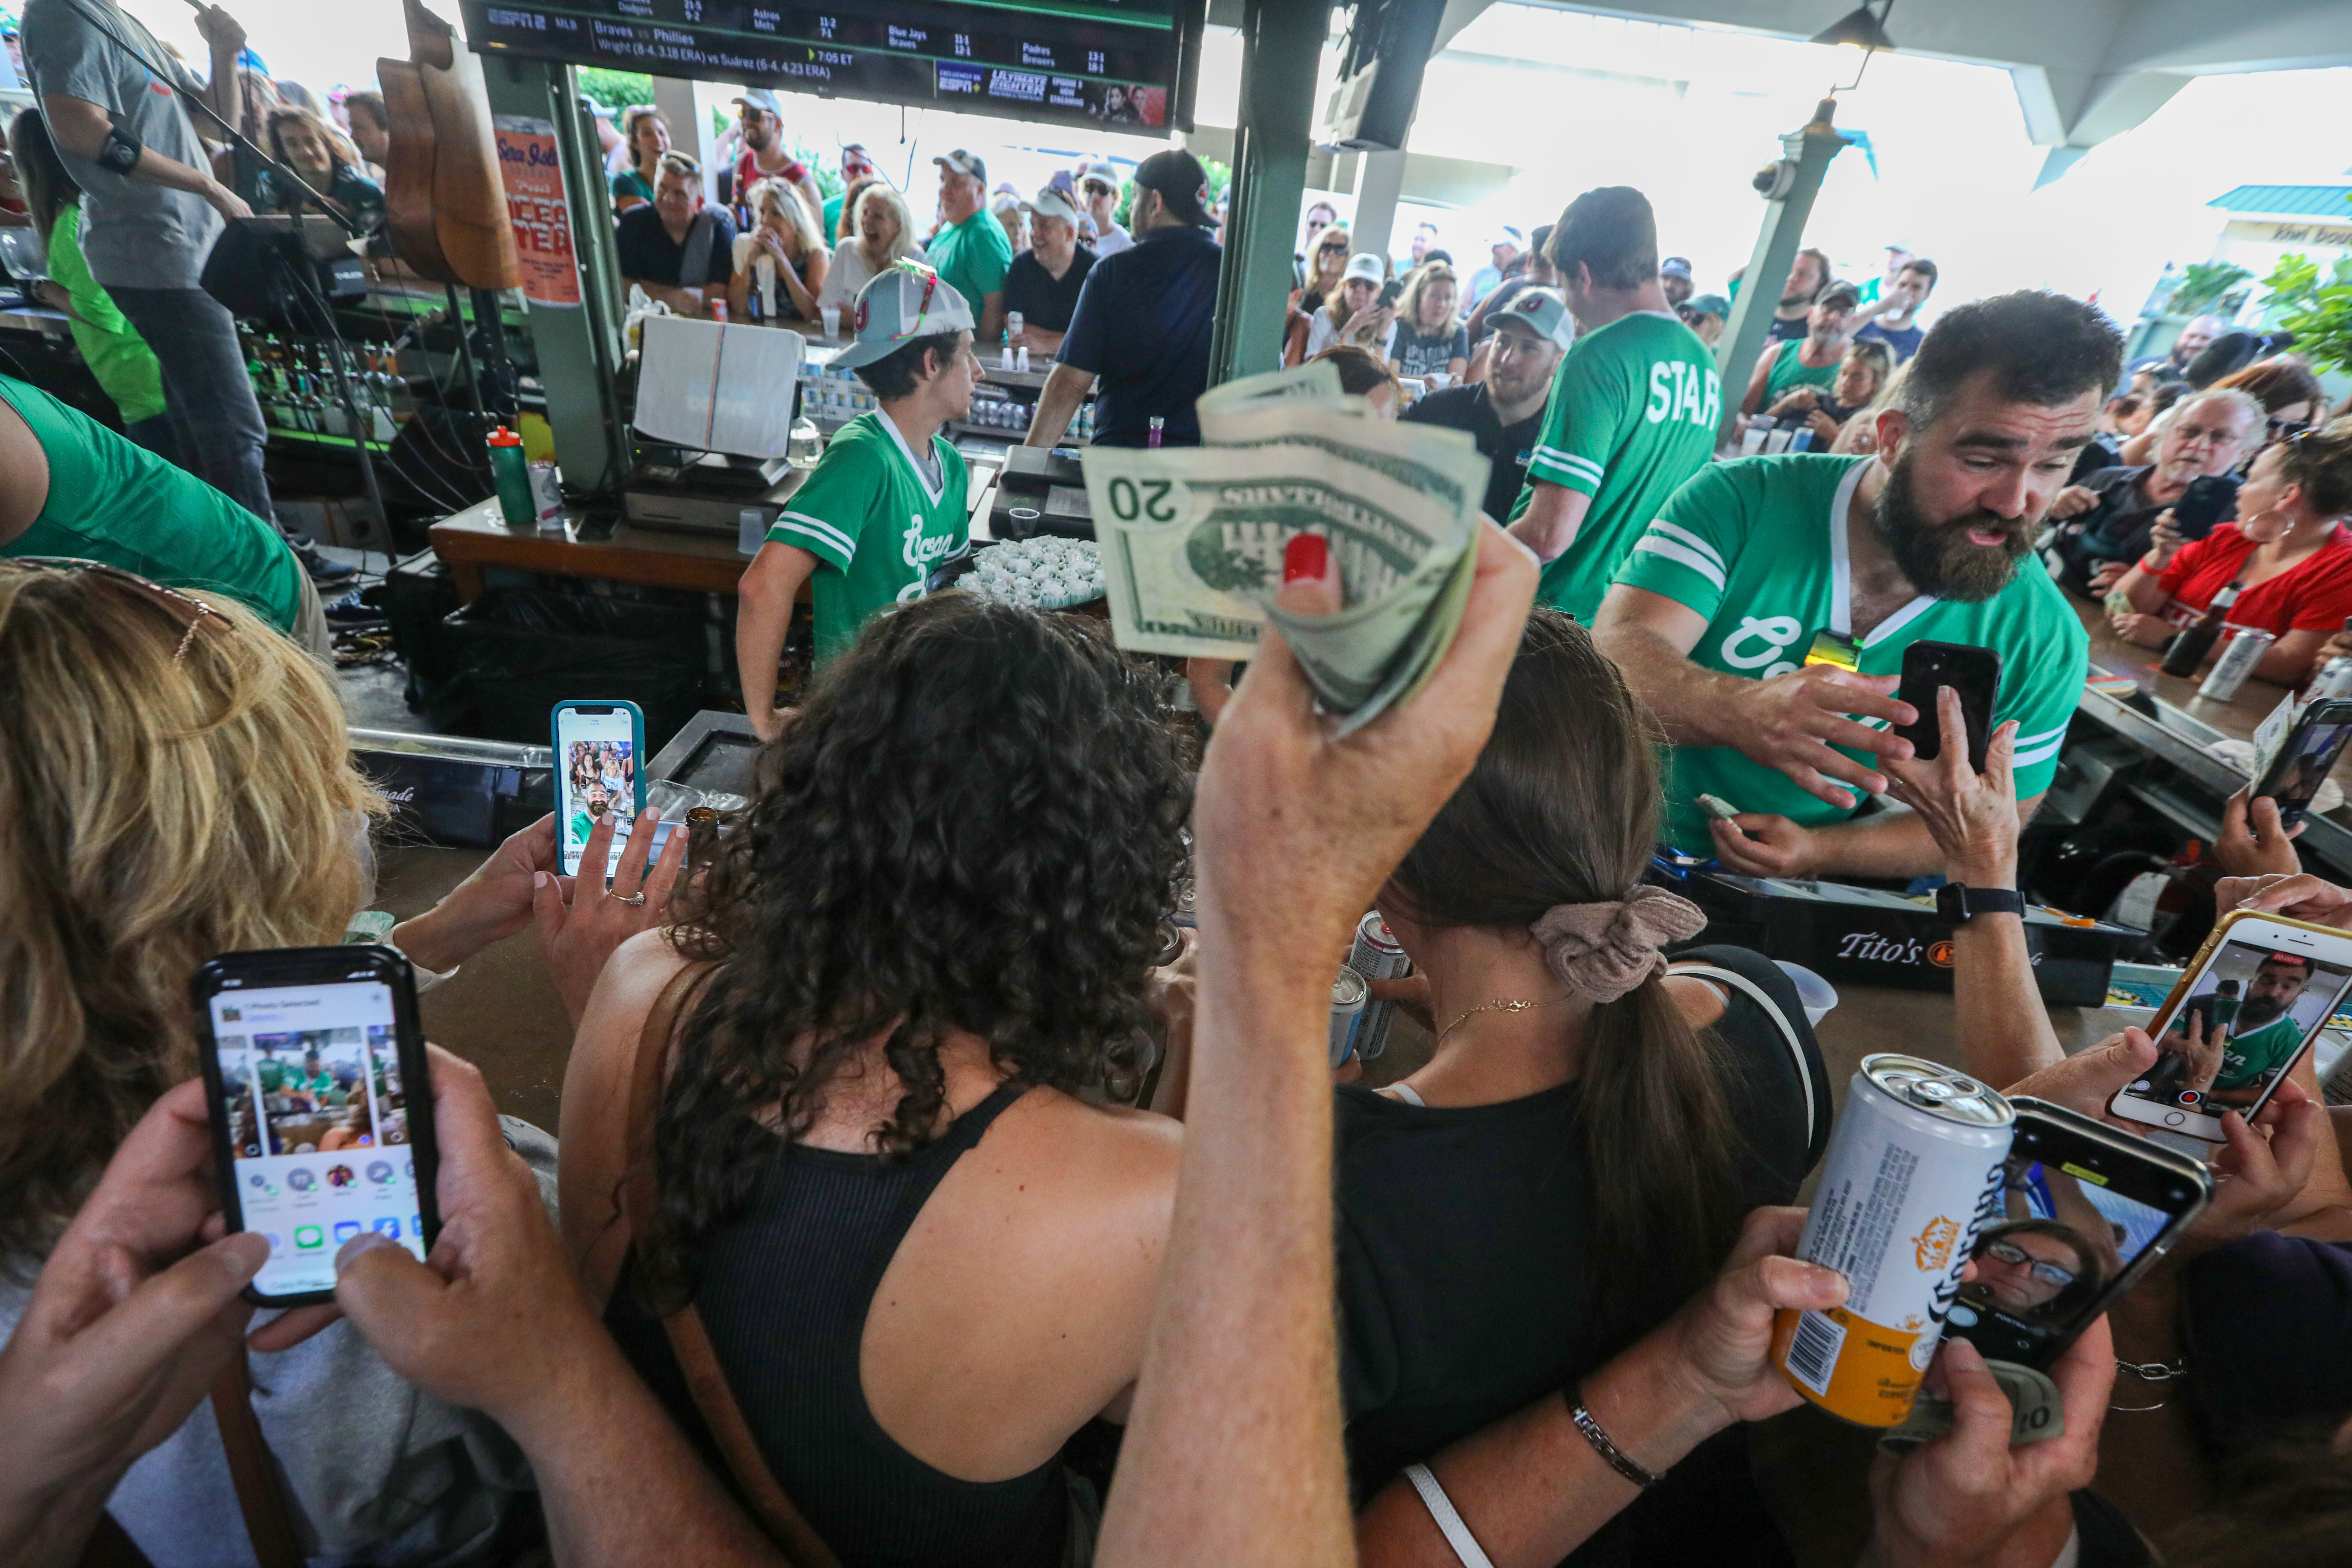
(1347,1014)
(1376,956)
(701,837)
(2335,682)
(2237,662)
(1912,1176)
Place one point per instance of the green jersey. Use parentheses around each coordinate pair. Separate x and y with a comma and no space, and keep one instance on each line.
(271,1074)
(1758,547)
(1789,373)
(973,256)
(1633,414)
(2247,1059)
(113,500)
(878,525)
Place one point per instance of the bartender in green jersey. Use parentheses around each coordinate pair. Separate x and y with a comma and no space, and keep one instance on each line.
(2264,1037)
(1634,409)
(1811,360)
(886,506)
(1758,566)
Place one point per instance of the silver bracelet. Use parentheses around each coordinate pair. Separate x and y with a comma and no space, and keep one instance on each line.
(1618,1461)
(2154,1371)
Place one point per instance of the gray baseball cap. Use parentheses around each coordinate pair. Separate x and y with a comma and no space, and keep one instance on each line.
(1541,311)
(906,303)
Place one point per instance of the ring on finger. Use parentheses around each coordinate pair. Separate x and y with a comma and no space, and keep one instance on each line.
(635,901)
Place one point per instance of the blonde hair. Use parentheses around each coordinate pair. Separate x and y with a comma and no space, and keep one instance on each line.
(156,808)
(904,246)
(1422,279)
(787,200)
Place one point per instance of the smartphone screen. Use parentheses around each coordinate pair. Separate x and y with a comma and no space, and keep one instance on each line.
(595,776)
(2248,1013)
(1973,673)
(318,1123)
(2310,755)
(2084,1209)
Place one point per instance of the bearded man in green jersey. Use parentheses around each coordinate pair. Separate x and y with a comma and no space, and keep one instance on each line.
(1763,615)
(1634,406)
(2264,1037)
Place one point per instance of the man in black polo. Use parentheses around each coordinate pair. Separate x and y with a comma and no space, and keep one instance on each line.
(1042,283)
(1142,323)
(1503,413)
(673,247)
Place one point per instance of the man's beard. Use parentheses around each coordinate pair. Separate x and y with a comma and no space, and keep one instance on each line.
(2256,1011)
(1937,557)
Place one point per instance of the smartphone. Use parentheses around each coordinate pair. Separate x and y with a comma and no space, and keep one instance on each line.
(2259,990)
(2309,755)
(2087,1209)
(1391,289)
(1974,672)
(2209,498)
(322,1107)
(599,752)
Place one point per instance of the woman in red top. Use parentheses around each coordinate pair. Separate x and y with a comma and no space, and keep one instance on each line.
(2288,551)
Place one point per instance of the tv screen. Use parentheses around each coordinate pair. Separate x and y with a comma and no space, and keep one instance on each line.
(1091,62)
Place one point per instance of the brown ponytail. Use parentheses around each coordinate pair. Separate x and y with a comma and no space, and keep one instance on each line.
(1562,810)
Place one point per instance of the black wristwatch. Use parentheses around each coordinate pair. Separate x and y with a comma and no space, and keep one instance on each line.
(1960,903)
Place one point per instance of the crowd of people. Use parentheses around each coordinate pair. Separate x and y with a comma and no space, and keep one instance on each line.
(752,1304)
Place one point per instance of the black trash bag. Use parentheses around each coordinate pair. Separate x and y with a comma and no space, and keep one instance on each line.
(517,652)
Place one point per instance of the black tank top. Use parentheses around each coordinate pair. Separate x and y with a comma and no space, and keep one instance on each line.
(783,1293)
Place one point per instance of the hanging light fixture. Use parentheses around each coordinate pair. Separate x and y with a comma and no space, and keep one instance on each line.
(1862,29)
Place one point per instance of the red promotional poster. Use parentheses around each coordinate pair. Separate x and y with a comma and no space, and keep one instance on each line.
(542,226)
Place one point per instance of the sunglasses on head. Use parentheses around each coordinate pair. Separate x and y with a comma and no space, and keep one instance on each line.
(2018,1258)
(2290,429)
(191,610)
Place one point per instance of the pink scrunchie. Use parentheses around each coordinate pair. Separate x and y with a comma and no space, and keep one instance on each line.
(1604,951)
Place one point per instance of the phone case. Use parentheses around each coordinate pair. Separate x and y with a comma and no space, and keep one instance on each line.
(295,966)
(1926,737)
(2329,711)
(637,742)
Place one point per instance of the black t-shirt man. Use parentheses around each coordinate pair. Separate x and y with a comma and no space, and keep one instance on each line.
(646,251)
(1142,327)
(1043,300)
(1508,446)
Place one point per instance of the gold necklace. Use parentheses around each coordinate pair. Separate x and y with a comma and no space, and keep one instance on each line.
(1498,1006)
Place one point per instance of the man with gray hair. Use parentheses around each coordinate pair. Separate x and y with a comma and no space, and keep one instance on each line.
(2104,524)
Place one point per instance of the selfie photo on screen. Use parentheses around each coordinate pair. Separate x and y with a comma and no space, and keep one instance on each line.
(2242,1025)
(2063,1239)
(599,778)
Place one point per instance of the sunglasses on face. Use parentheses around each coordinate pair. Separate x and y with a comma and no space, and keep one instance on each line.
(2282,429)
(2018,1258)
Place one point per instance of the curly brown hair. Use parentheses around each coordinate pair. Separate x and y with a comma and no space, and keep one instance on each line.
(975,824)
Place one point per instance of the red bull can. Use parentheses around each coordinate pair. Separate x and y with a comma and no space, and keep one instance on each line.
(1913,1175)
(1347,994)
(1377,956)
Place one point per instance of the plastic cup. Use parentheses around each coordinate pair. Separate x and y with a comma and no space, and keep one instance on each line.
(832,314)
(1021,521)
(1818,996)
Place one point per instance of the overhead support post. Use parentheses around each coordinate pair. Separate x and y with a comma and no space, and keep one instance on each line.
(578,346)
(1380,182)
(1789,187)
(1281,46)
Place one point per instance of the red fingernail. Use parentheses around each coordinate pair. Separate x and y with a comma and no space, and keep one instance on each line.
(1306,557)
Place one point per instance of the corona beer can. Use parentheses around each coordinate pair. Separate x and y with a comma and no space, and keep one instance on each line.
(1347,1014)
(1376,956)
(1914,1174)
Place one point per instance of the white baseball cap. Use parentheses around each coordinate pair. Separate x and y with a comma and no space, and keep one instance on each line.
(1054,202)
(1541,311)
(1366,266)
(963,162)
(908,301)
(1099,169)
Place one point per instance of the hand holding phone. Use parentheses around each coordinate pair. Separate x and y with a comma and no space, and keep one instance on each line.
(2308,757)
(2209,498)
(2254,998)
(310,1055)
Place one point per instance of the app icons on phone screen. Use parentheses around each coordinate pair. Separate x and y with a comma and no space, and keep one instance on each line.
(309,1237)
(345,1229)
(388,1227)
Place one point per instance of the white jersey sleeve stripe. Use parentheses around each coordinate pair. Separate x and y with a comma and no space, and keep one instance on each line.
(1673,531)
(1676,552)
(801,522)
